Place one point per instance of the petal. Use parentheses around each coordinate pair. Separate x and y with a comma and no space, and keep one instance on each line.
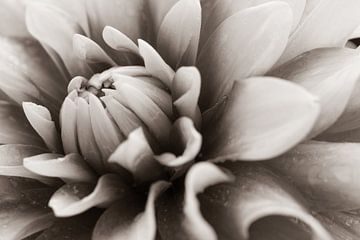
(179,33)
(179,214)
(119,41)
(185,91)
(248,121)
(68,126)
(40,119)
(257,195)
(330,74)
(23,210)
(107,136)
(186,141)
(325,23)
(325,172)
(75,198)
(71,168)
(221,61)
(136,155)
(15,128)
(55,28)
(124,221)
(11,162)
(154,64)
(13,11)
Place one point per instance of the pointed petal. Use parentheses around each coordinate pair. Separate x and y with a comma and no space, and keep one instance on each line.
(325,23)
(325,172)
(328,73)
(154,64)
(71,168)
(68,126)
(40,119)
(55,28)
(119,41)
(128,222)
(248,122)
(107,136)
(15,128)
(256,195)
(75,198)
(11,162)
(180,32)
(185,91)
(221,61)
(136,155)
(89,51)
(186,141)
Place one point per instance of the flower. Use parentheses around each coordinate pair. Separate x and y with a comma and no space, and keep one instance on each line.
(186,119)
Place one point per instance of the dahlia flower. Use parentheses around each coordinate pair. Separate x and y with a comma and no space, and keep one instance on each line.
(179,119)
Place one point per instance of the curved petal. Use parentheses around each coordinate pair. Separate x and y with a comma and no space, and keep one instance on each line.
(71,168)
(136,155)
(75,198)
(119,41)
(154,64)
(326,173)
(179,215)
(11,162)
(55,28)
(68,125)
(128,222)
(15,128)
(325,23)
(23,210)
(185,91)
(249,129)
(13,11)
(328,73)
(242,53)
(179,33)
(256,195)
(40,119)
(186,141)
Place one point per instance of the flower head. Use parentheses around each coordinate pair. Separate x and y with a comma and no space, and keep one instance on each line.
(118,114)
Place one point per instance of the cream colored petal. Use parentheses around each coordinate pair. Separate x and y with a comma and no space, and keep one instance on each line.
(13,11)
(40,119)
(185,91)
(136,155)
(68,126)
(130,222)
(75,198)
(119,41)
(263,118)
(70,168)
(331,75)
(325,172)
(186,141)
(326,23)
(236,209)
(180,32)
(55,28)
(154,64)
(235,51)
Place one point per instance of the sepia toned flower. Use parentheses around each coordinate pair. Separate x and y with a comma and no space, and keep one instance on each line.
(179,119)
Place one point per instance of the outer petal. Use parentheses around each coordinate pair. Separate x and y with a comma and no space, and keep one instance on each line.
(326,23)
(75,198)
(328,73)
(264,118)
(128,222)
(326,172)
(183,220)
(235,51)
(13,11)
(254,197)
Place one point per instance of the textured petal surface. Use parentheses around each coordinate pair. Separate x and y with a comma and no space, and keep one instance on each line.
(326,172)
(218,64)
(249,128)
(255,196)
(130,221)
(75,198)
(328,73)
